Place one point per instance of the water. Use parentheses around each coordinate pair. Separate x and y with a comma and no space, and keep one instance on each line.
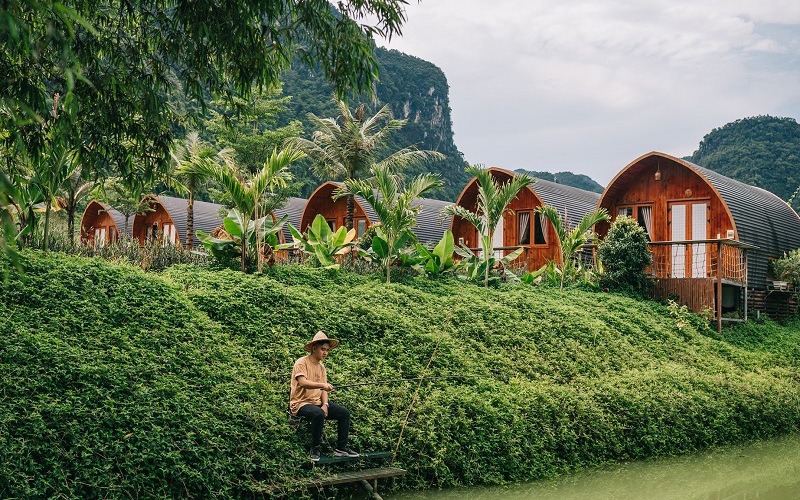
(766,470)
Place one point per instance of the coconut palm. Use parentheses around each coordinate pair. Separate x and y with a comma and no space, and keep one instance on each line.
(493,200)
(347,147)
(75,189)
(393,202)
(249,195)
(571,241)
(185,180)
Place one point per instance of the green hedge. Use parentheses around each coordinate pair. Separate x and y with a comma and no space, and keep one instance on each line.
(118,383)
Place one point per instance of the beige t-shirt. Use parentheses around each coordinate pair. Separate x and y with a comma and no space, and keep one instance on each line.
(314,372)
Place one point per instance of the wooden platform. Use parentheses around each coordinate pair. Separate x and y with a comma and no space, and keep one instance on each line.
(373,455)
(359,475)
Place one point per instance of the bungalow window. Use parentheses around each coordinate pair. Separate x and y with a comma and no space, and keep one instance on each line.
(170,234)
(100,237)
(643,214)
(524,228)
(540,230)
(361,227)
(331,223)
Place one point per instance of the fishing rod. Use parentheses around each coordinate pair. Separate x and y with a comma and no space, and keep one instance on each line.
(392,381)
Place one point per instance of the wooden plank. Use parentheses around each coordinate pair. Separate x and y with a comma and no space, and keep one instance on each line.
(372,455)
(359,475)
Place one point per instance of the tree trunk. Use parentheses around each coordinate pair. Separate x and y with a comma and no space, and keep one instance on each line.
(351,208)
(71,224)
(245,226)
(190,221)
(47,226)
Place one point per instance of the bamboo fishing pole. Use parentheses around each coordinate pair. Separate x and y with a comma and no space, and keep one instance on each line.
(392,381)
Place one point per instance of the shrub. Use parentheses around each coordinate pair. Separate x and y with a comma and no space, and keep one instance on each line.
(625,255)
(787,268)
(119,383)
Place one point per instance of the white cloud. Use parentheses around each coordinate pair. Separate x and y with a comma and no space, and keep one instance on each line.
(580,85)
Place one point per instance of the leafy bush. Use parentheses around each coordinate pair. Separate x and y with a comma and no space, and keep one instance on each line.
(787,268)
(625,256)
(120,383)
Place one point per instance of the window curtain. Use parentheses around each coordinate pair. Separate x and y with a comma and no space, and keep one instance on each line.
(647,217)
(543,224)
(524,228)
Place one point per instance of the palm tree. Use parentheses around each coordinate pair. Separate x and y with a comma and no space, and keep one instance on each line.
(573,240)
(248,195)
(392,200)
(193,151)
(493,199)
(75,189)
(51,169)
(348,146)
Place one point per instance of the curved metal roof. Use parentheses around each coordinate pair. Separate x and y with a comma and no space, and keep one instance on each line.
(206,215)
(576,202)
(294,209)
(760,218)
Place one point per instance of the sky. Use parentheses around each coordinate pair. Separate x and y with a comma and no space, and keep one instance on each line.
(589,86)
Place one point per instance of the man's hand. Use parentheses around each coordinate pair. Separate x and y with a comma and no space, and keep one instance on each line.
(325,410)
(327,387)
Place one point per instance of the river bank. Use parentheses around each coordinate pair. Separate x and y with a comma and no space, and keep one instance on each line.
(767,470)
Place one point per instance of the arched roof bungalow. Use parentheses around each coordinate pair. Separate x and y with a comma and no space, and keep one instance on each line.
(101,224)
(168,219)
(676,200)
(521,226)
(429,229)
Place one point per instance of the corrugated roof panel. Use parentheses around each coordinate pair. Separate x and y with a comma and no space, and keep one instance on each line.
(761,218)
(576,202)
(294,209)
(206,215)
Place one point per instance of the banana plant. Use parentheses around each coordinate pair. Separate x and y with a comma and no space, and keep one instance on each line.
(227,244)
(478,267)
(396,252)
(323,244)
(440,259)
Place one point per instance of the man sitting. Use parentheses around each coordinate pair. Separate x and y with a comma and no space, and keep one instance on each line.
(309,396)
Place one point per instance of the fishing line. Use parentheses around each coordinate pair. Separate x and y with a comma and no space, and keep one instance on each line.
(419,386)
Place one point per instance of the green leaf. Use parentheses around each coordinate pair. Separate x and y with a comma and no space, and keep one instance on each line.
(380,247)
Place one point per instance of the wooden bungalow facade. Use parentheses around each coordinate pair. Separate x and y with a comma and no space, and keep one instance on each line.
(429,229)
(711,236)
(101,224)
(167,220)
(521,226)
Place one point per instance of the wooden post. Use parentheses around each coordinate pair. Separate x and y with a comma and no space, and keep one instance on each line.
(744,271)
(719,287)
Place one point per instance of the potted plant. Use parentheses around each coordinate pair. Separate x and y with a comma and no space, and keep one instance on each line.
(786,270)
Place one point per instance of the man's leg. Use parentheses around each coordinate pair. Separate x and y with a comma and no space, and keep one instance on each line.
(316,417)
(342,415)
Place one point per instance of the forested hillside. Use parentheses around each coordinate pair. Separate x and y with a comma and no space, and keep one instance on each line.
(568,178)
(763,151)
(416,90)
